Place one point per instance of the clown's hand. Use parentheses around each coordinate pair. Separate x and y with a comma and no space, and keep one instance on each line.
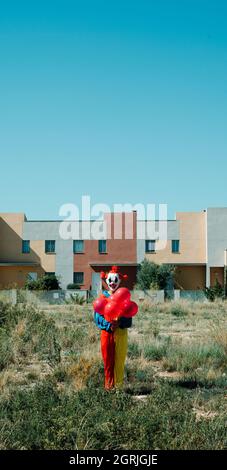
(114,325)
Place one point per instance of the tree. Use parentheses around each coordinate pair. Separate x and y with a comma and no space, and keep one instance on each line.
(166,276)
(147,274)
(151,275)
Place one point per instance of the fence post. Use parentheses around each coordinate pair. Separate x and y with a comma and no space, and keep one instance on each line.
(14,296)
(176,294)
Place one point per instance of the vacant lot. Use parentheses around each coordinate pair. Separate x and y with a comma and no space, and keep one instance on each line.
(51,378)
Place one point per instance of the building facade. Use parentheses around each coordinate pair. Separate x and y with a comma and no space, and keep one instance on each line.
(195,242)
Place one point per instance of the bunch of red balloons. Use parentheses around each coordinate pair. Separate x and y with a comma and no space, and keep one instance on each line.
(119,304)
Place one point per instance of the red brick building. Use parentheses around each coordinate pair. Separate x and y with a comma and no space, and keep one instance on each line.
(99,255)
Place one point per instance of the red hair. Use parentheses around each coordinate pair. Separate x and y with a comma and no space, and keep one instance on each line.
(115,270)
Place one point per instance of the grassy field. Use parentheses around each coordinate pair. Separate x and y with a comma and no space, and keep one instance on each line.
(51,379)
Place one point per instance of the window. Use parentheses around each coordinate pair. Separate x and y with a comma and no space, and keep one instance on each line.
(50,246)
(175,246)
(49,274)
(25,246)
(78,246)
(78,278)
(150,246)
(32,276)
(102,246)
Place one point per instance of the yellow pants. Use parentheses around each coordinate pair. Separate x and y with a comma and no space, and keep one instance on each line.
(121,346)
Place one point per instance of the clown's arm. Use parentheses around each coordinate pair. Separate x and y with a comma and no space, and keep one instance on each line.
(101,323)
(125,322)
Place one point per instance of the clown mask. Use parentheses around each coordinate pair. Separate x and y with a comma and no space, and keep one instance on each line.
(113,281)
(113,278)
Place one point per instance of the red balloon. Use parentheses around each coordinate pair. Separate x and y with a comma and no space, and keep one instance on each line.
(121,295)
(115,306)
(111,310)
(99,305)
(126,305)
(133,309)
(130,309)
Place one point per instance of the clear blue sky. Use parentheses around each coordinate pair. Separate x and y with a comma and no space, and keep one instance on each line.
(124,100)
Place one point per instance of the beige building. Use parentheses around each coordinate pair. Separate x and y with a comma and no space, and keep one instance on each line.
(185,248)
(15,266)
(195,243)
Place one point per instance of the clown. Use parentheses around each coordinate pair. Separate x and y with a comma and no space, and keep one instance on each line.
(114,334)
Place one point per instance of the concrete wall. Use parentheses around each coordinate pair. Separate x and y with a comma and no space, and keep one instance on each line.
(62,261)
(8,296)
(40,298)
(150,295)
(216,222)
(216,235)
(49,297)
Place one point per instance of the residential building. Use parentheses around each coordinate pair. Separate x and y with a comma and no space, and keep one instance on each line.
(194,242)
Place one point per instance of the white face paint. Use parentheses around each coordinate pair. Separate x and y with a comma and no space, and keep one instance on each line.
(113,281)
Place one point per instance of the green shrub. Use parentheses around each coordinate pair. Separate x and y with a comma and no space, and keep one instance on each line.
(133,350)
(73,286)
(42,336)
(32,376)
(4,308)
(76,299)
(215,292)
(178,311)
(38,336)
(90,298)
(165,276)
(6,351)
(144,376)
(21,296)
(46,418)
(191,357)
(147,274)
(45,282)
(9,315)
(157,349)
(73,339)
(152,275)
(154,328)
(60,373)
(202,379)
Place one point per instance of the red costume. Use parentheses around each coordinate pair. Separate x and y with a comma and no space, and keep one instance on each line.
(114,308)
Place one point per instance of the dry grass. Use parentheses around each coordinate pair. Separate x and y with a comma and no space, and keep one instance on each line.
(82,370)
(219,334)
(183,344)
